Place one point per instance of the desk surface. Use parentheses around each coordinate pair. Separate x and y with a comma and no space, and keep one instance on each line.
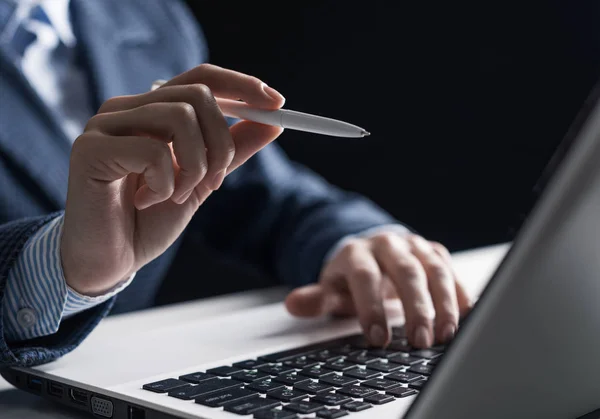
(474,268)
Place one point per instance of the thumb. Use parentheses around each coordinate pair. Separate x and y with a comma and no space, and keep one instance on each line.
(311,301)
(249,138)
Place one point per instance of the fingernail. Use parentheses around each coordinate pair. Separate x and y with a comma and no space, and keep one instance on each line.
(422,338)
(377,335)
(447,332)
(218,180)
(272,93)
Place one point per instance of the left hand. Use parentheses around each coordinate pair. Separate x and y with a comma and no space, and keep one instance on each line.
(388,265)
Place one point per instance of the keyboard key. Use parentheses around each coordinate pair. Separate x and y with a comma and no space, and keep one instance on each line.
(339,365)
(197,377)
(287,395)
(421,369)
(361,357)
(250,406)
(290,378)
(418,385)
(275,414)
(300,362)
(221,398)
(401,392)
(403,377)
(316,372)
(203,388)
(362,373)
(331,399)
(356,391)
(324,356)
(400,345)
(224,371)
(382,353)
(426,353)
(303,407)
(405,359)
(381,384)
(357,406)
(249,376)
(379,398)
(343,350)
(434,361)
(331,413)
(164,386)
(398,332)
(337,380)
(312,387)
(275,369)
(263,386)
(384,366)
(250,364)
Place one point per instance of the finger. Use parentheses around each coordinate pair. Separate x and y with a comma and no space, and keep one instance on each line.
(230,84)
(317,300)
(410,280)
(441,287)
(249,138)
(214,127)
(363,276)
(107,158)
(465,303)
(176,121)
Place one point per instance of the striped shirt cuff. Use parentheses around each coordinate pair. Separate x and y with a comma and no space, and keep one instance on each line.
(37,296)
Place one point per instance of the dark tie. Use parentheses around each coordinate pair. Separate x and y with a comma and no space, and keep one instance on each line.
(22,37)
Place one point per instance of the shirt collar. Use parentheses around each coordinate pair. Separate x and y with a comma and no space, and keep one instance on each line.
(58,14)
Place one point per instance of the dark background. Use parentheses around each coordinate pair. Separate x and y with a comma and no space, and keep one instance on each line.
(466,102)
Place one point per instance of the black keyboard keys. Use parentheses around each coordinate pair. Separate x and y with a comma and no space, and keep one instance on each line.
(249,376)
(221,398)
(403,377)
(262,386)
(418,385)
(382,353)
(405,359)
(249,364)
(381,384)
(275,369)
(315,372)
(426,353)
(164,386)
(384,366)
(224,371)
(401,392)
(331,413)
(324,356)
(357,392)
(331,399)
(275,414)
(357,406)
(362,373)
(205,387)
(300,362)
(340,365)
(337,380)
(361,357)
(290,378)
(287,395)
(421,369)
(303,407)
(312,387)
(197,377)
(379,398)
(250,406)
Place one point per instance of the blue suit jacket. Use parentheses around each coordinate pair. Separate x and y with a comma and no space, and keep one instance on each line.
(270,213)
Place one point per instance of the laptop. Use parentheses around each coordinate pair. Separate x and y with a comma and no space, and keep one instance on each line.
(530,348)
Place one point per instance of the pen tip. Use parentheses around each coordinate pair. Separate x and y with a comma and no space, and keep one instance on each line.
(365,133)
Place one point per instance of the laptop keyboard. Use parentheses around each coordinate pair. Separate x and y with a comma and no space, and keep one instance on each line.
(331,379)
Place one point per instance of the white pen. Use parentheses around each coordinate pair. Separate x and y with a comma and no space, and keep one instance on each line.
(286,118)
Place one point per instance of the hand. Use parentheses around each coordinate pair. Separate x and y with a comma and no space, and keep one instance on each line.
(144,165)
(367,271)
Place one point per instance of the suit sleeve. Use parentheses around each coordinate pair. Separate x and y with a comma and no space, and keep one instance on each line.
(14,237)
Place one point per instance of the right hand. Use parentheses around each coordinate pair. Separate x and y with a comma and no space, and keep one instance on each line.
(144,165)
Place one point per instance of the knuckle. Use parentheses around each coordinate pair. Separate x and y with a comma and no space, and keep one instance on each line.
(384,240)
(95,122)
(407,268)
(111,104)
(183,112)
(201,90)
(437,270)
(364,273)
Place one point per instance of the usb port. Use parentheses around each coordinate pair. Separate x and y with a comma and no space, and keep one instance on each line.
(34,384)
(55,389)
(78,396)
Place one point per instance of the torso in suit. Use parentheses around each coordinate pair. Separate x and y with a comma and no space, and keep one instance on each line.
(270,213)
